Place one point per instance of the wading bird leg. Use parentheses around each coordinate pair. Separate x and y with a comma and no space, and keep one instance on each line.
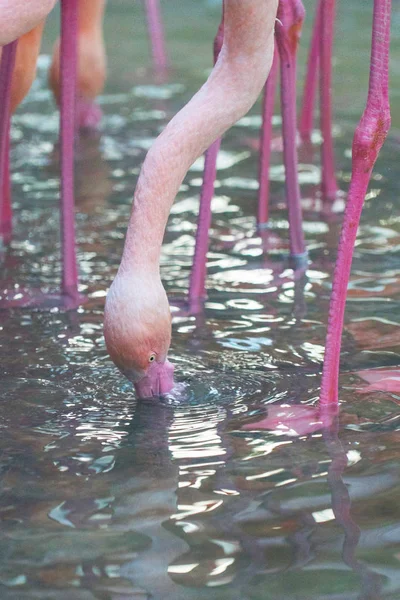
(6,71)
(197,289)
(156,33)
(69,16)
(311,81)
(5,192)
(287,32)
(368,140)
(265,143)
(91,64)
(22,72)
(329,187)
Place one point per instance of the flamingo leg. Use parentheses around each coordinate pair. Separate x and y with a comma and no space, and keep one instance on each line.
(329,186)
(197,289)
(91,64)
(311,81)
(368,140)
(6,71)
(265,143)
(69,15)
(287,31)
(156,33)
(5,178)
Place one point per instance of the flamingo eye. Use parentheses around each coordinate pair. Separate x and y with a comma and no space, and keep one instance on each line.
(152,358)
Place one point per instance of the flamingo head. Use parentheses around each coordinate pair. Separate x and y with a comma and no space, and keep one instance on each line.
(137,330)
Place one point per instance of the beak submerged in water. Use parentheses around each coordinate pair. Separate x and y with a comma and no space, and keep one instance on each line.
(158,380)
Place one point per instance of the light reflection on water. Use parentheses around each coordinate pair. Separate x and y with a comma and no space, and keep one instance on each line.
(206,493)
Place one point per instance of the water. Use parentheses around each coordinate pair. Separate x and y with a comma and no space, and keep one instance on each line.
(104,498)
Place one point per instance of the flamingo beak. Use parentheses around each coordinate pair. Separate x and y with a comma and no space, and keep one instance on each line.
(158,380)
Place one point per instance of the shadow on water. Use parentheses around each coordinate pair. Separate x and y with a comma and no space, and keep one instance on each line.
(234,487)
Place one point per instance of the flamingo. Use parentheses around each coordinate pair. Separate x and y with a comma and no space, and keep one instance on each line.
(137,323)
(21,21)
(16,19)
(21,33)
(91,76)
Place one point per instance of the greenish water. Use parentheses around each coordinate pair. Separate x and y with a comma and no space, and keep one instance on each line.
(105,498)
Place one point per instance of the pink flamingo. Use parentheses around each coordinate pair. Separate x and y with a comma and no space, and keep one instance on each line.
(82,22)
(137,316)
(16,22)
(18,67)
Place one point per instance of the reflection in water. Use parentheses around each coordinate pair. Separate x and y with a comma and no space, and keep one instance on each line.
(212,505)
(371,582)
(232,488)
(169,500)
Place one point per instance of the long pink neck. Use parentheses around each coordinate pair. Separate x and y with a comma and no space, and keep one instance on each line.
(230,91)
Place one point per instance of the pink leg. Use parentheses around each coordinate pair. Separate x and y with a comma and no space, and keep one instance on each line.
(310,86)
(6,216)
(265,143)
(197,288)
(6,71)
(368,140)
(156,33)
(329,186)
(69,14)
(287,31)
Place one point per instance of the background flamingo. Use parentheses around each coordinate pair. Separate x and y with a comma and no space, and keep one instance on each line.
(69,287)
(91,76)
(18,68)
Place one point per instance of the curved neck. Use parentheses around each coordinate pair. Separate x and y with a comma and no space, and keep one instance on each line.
(232,88)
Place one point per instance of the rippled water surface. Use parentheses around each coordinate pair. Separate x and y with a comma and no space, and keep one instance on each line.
(209,493)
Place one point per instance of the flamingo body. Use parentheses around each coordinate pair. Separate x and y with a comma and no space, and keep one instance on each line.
(18,17)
